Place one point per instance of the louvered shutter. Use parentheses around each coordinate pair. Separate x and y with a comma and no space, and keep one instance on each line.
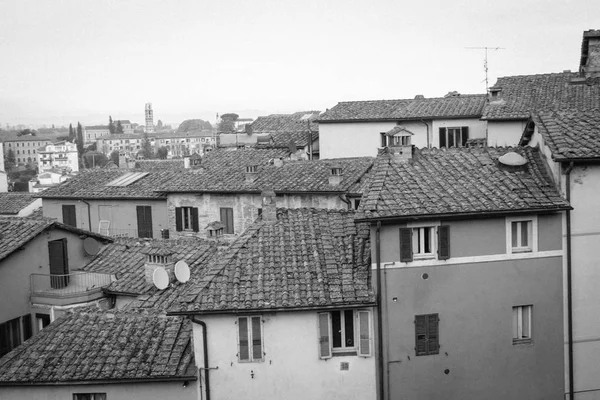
(406,252)
(433,334)
(364,330)
(444,242)
(178,219)
(257,349)
(195,227)
(464,135)
(324,335)
(244,350)
(442,137)
(421,335)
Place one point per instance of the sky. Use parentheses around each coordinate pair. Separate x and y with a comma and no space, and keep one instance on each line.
(65,61)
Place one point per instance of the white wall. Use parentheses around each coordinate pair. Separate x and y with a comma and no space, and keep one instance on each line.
(476,128)
(3,182)
(505,133)
(358,139)
(291,368)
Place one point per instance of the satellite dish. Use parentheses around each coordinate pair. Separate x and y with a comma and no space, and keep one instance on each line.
(91,246)
(160,277)
(182,271)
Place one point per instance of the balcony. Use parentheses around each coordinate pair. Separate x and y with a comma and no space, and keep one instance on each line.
(77,287)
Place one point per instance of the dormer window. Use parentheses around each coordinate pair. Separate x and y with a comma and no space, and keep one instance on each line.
(252,168)
(336,171)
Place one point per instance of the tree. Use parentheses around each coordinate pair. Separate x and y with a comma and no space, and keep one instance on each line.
(159,124)
(27,132)
(190,125)
(94,159)
(114,156)
(111,125)
(227,123)
(146,150)
(79,139)
(10,160)
(119,128)
(162,152)
(71,133)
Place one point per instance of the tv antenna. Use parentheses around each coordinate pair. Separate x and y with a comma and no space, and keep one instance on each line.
(485,61)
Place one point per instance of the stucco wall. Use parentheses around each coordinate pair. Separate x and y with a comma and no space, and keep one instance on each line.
(477,359)
(137,391)
(123,214)
(477,128)
(505,133)
(291,369)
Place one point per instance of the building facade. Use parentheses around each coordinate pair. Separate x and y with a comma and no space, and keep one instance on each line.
(25,148)
(93,132)
(58,155)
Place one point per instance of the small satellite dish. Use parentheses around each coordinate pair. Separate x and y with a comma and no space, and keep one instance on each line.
(91,246)
(160,277)
(182,271)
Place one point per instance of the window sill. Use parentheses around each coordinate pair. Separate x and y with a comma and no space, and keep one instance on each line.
(522,250)
(521,342)
(251,361)
(344,353)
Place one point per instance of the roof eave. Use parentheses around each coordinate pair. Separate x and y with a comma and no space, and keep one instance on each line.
(582,160)
(271,309)
(101,381)
(479,115)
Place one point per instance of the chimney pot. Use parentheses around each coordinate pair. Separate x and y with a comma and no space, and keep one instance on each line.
(335,175)
(251,173)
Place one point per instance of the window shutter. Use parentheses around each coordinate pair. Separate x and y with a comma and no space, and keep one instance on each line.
(178,219)
(406,252)
(244,350)
(465,135)
(383,139)
(324,336)
(364,343)
(257,350)
(27,328)
(443,242)
(421,335)
(442,137)
(433,344)
(195,226)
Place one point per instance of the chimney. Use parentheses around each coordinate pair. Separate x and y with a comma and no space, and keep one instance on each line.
(269,206)
(400,143)
(251,173)
(589,66)
(158,258)
(214,230)
(419,97)
(186,162)
(335,175)
(123,160)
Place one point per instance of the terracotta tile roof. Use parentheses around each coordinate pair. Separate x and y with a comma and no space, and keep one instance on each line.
(461,106)
(296,122)
(103,346)
(292,177)
(27,138)
(91,184)
(570,135)
(12,203)
(125,258)
(157,165)
(308,258)
(17,231)
(96,127)
(519,96)
(458,181)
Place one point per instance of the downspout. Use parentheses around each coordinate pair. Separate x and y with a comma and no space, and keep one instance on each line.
(344,198)
(206,368)
(426,126)
(379,313)
(89,215)
(569,285)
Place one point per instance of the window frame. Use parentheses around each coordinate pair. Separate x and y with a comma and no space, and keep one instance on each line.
(435,245)
(90,396)
(224,212)
(250,335)
(362,343)
(522,318)
(532,235)
(458,132)
(427,334)
(191,213)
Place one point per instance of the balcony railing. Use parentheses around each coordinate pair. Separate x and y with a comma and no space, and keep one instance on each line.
(68,285)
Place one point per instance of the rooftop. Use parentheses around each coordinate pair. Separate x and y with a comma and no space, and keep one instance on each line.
(458,181)
(158,165)
(308,258)
(12,203)
(290,123)
(453,106)
(104,347)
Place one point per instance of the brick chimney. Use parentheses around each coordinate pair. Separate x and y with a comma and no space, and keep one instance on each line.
(400,144)
(589,66)
(157,257)
(251,173)
(269,206)
(335,175)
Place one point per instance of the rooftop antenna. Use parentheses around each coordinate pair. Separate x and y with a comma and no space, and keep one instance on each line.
(485,62)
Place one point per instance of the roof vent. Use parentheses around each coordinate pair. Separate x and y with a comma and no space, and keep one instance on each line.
(512,162)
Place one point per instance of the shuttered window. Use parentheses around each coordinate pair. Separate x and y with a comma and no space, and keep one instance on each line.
(69,215)
(427,334)
(345,332)
(250,339)
(227,219)
(443,242)
(454,137)
(364,329)
(324,335)
(406,253)
(423,243)
(186,219)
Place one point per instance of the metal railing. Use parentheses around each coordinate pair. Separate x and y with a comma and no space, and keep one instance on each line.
(66,285)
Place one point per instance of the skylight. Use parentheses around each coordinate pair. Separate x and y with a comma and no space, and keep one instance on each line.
(127,179)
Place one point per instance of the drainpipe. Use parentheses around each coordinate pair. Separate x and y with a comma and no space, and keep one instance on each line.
(569,286)
(89,215)
(344,198)
(426,126)
(206,368)
(379,313)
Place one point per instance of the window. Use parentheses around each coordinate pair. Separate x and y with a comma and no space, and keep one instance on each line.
(89,396)
(10,335)
(186,219)
(250,342)
(454,137)
(69,215)
(345,332)
(521,317)
(521,235)
(427,338)
(42,320)
(422,242)
(227,219)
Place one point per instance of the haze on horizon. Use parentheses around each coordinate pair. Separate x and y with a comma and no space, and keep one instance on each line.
(82,60)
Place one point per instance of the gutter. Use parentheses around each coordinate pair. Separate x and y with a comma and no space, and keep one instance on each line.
(379,313)
(101,381)
(206,368)
(334,121)
(427,127)
(273,309)
(344,198)
(569,286)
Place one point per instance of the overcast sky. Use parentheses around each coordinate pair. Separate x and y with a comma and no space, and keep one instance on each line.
(85,59)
